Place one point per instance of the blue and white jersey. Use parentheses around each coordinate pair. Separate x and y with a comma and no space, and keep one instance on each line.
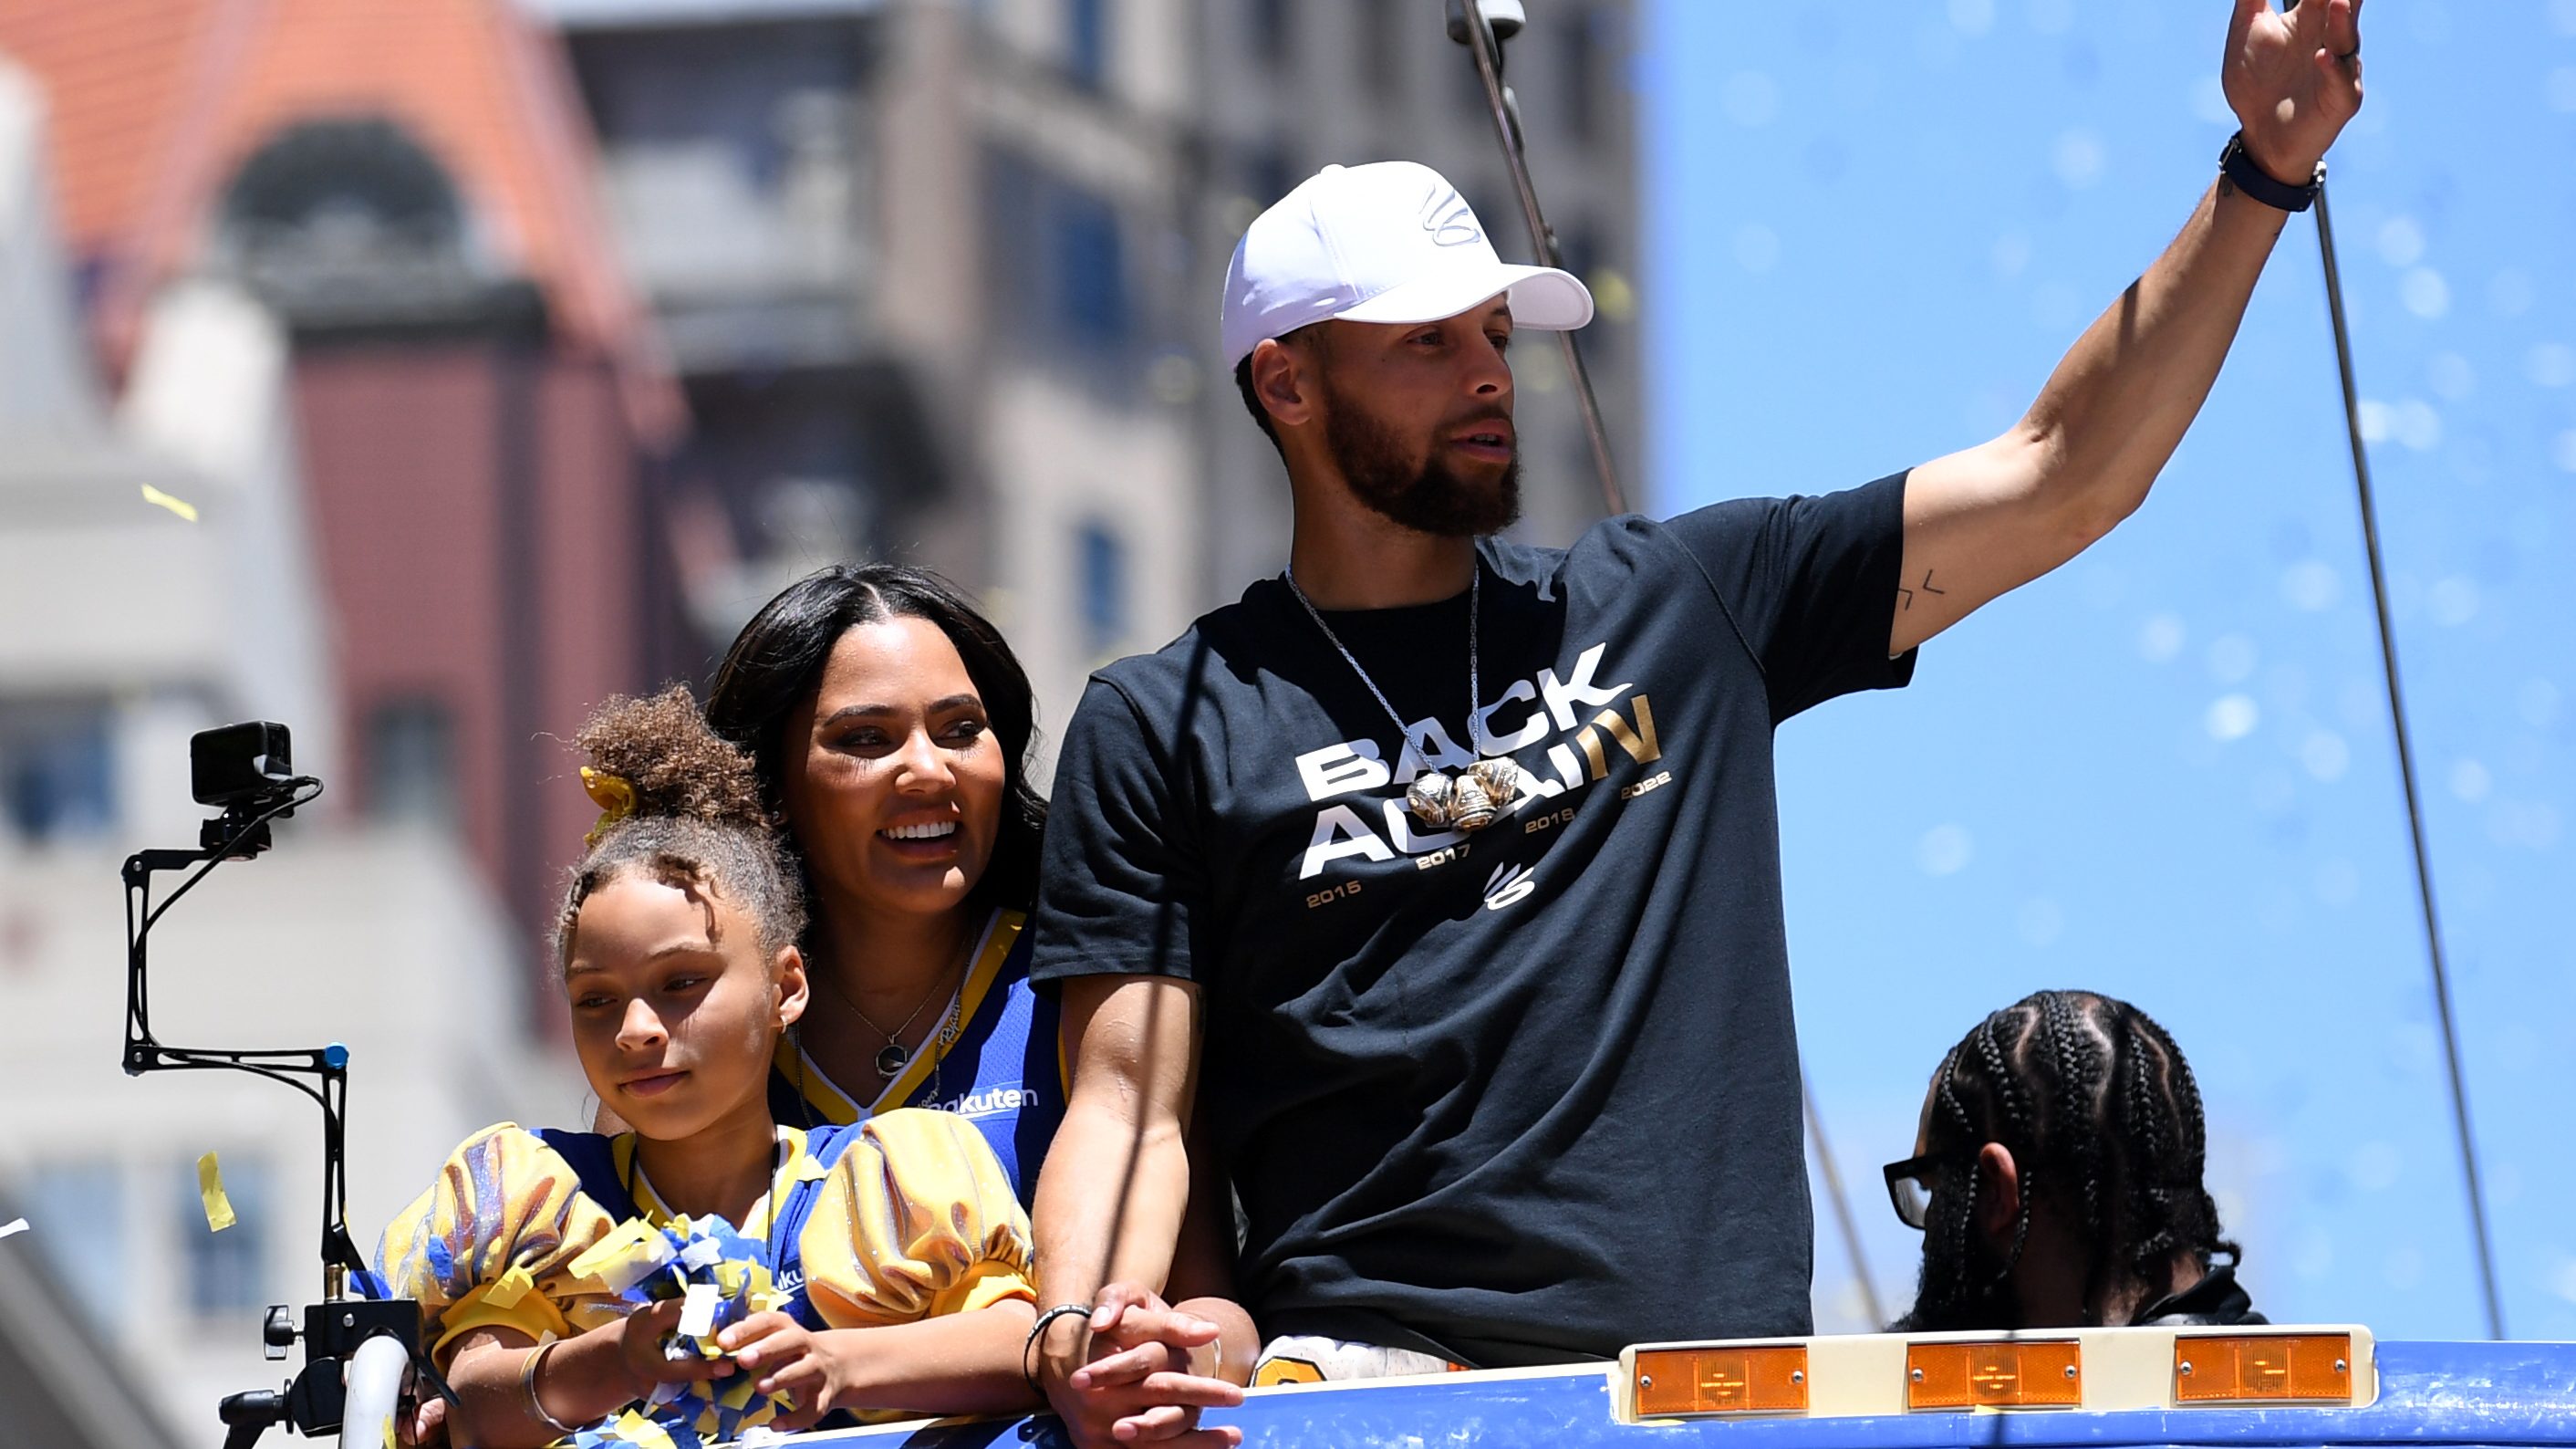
(996,1063)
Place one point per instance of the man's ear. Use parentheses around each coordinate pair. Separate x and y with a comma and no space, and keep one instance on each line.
(793,989)
(1998,1194)
(1283,381)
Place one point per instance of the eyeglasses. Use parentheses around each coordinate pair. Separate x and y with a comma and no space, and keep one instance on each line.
(1909,1187)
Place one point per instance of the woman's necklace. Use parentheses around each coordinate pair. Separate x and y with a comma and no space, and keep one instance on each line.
(1489,787)
(894,1056)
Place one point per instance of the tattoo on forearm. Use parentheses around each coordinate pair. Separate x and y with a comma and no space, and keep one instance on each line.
(1908,601)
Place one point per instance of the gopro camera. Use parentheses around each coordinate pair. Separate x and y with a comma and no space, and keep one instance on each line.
(240,764)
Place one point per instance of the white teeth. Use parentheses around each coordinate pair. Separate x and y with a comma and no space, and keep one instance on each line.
(940,831)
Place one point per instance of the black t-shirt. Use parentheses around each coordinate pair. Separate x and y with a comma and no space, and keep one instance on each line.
(1530,1094)
(2216,1299)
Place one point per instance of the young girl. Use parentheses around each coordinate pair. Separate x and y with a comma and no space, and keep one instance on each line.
(892,1257)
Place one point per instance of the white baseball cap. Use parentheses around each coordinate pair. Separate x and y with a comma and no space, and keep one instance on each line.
(1391,241)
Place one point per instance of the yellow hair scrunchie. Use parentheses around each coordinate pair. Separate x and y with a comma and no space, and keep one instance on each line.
(615,796)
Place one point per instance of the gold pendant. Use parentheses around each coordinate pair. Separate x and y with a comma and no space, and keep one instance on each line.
(1428,798)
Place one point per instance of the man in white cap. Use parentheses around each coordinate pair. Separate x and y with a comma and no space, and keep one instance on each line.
(1459,857)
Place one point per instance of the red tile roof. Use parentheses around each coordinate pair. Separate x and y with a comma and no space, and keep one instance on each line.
(155,104)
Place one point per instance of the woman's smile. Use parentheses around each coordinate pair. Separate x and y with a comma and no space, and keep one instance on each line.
(924,842)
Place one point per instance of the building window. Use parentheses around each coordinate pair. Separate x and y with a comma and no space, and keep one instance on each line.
(1468,84)
(1274,35)
(1087,41)
(57,770)
(1101,571)
(1579,247)
(1498,211)
(1382,37)
(411,762)
(77,1213)
(1270,173)
(1090,269)
(1057,253)
(331,217)
(1579,53)
(226,1272)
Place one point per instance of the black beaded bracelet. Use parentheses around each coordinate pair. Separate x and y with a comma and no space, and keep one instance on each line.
(2239,167)
(1029,1350)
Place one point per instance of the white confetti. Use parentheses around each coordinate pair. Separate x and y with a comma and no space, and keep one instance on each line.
(698,1310)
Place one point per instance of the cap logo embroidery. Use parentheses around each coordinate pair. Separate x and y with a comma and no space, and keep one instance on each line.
(1451,222)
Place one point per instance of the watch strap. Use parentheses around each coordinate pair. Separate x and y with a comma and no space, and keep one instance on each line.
(2239,167)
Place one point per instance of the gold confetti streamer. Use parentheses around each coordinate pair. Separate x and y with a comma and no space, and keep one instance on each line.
(210,1188)
(179,506)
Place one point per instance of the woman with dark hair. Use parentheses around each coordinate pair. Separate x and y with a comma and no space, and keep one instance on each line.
(2057,1177)
(891,728)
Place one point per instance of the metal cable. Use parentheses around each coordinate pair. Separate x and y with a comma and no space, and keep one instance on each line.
(1487,48)
(1843,1219)
(2406,772)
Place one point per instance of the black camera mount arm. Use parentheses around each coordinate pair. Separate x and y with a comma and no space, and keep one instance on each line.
(320,1073)
(334,1328)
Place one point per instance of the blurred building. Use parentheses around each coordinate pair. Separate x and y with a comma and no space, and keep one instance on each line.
(159,576)
(941,277)
(510,357)
(609,317)
(406,186)
(923,269)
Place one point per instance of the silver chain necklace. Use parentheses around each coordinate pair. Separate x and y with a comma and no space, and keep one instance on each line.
(1470,802)
(894,1056)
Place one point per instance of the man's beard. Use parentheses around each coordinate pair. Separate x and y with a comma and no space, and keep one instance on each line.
(1428,498)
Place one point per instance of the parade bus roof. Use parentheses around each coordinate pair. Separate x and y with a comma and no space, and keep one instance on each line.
(2094,1387)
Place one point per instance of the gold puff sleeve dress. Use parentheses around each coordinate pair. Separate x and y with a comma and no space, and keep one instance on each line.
(911,1217)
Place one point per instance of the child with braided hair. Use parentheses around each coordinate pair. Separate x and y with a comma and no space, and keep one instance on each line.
(862,1271)
(2057,1177)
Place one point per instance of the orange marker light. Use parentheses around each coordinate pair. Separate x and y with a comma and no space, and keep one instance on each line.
(1998,1375)
(2263,1369)
(1672,1382)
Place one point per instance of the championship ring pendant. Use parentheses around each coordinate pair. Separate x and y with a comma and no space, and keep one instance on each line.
(1468,803)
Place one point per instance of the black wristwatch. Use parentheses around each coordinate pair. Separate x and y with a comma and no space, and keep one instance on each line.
(2254,181)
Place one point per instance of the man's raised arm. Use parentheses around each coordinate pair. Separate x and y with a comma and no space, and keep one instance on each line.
(1992,518)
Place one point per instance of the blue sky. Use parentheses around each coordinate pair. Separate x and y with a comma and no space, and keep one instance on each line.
(2166,771)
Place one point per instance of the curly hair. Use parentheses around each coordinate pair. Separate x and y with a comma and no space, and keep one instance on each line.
(2100,1112)
(699,821)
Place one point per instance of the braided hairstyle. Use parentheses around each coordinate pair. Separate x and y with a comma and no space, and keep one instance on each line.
(699,822)
(2101,1115)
